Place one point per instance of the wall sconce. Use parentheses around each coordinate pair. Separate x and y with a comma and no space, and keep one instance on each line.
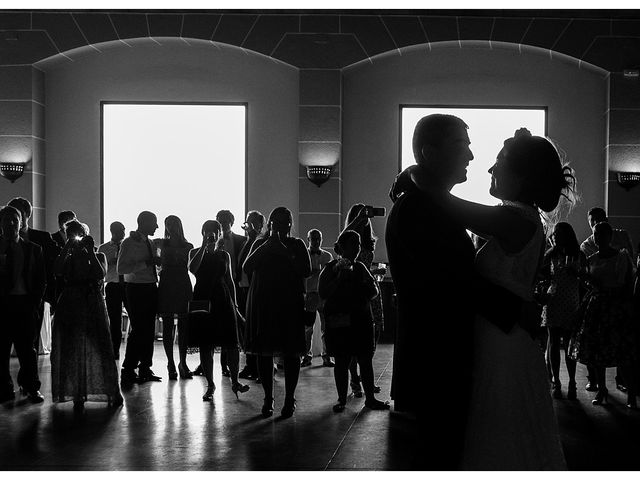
(319,174)
(11,171)
(628,180)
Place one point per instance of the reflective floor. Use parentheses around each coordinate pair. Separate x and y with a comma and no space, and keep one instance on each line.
(167,426)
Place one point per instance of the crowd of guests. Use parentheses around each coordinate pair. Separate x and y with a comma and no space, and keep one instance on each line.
(260,293)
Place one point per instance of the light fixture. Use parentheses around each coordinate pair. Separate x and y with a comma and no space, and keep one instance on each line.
(319,174)
(11,171)
(628,180)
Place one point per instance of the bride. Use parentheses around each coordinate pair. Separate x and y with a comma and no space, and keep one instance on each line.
(512,424)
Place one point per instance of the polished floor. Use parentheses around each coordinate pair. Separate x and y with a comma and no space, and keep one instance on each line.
(166,426)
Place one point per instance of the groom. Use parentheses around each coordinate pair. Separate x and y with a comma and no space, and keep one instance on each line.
(431,260)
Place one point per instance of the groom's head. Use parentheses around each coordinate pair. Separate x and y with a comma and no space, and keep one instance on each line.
(441,147)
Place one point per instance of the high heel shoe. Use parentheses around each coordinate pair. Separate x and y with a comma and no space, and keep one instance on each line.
(601,397)
(238,387)
(632,403)
(208,395)
(267,408)
(288,408)
(171,371)
(184,371)
(557,390)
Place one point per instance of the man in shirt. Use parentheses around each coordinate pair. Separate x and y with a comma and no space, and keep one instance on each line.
(22,286)
(620,239)
(253,227)
(137,262)
(50,251)
(60,237)
(115,296)
(232,245)
(319,258)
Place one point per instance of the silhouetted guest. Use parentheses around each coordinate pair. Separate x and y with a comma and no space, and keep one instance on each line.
(217,325)
(232,244)
(562,267)
(60,236)
(115,296)
(22,286)
(347,287)
(174,293)
(50,251)
(83,365)
(619,239)
(278,265)
(431,261)
(358,221)
(253,227)
(607,335)
(312,303)
(137,262)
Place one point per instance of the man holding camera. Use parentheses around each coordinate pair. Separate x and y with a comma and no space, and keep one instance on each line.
(137,262)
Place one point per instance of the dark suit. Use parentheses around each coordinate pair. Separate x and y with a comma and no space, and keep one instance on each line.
(18,315)
(59,239)
(431,261)
(50,251)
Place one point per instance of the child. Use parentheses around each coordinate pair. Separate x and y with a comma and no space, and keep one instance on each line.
(348,288)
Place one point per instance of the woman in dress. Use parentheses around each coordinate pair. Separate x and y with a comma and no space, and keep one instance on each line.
(347,287)
(562,268)
(83,366)
(359,221)
(174,293)
(606,336)
(219,327)
(277,264)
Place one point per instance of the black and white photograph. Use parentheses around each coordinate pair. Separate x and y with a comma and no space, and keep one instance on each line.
(321,238)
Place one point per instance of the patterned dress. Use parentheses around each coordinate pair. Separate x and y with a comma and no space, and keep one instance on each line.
(606,337)
(83,365)
(563,293)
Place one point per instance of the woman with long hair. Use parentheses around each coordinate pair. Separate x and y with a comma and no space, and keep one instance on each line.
(277,264)
(562,267)
(174,293)
(217,324)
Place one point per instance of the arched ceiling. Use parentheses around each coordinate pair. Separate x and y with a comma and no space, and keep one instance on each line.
(609,39)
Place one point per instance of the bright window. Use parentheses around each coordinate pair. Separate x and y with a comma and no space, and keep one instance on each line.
(488,128)
(184,160)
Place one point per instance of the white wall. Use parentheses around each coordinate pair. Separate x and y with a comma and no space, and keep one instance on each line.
(175,71)
(474,75)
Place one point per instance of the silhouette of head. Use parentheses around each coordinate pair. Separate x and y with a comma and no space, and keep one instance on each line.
(528,169)
(173,229)
(24,207)
(64,217)
(117,231)
(564,237)
(256,221)
(10,221)
(595,216)
(226,219)
(74,228)
(280,221)
(147,223)
(441,147)
(348,245)
(314,236)
(602,234)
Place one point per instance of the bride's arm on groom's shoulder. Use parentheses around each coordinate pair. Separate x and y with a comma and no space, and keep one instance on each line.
(511,229)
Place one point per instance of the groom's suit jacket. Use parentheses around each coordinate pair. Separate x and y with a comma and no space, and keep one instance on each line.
(431,258)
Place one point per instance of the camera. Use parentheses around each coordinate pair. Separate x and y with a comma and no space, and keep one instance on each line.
(375,211)
(211,238)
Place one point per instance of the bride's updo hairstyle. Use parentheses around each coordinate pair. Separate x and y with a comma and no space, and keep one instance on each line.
(538,162)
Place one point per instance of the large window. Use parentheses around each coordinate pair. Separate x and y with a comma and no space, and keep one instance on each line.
(488,128)
(184,160)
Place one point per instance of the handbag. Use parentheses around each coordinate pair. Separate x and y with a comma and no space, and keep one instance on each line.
(199,306)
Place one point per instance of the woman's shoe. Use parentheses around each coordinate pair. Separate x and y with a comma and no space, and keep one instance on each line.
(376,389)
(171,371)
(356,389)
(238,387)
(208,395)
(116,401)
(557,390)
(288,408)
(267,408)
(184,371)
(572,391)
(376,404)
(601,397)
(339,407)
(197,371)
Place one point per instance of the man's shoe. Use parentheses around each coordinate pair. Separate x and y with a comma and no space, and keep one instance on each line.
(198,371)
(148,376)
(6,396)
(226,372)
(35,396)
(328,363)
(128,378)
(306,362)
(591,387)
(245,374)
